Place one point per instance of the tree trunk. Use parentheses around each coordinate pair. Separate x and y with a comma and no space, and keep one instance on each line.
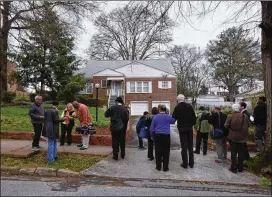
(4,45)
(266,26)
(230,89)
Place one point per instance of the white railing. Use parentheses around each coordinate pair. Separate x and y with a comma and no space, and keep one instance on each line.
(109,94)
(118,92)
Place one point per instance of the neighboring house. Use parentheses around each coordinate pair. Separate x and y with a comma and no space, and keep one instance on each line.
(143,84)
(219,91)
(209,101)
(11,68)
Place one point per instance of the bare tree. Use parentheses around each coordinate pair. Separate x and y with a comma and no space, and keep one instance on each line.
(16,16)
(134,32)
(191,72)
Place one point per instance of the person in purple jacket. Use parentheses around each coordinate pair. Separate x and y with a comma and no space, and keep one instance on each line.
(160,130)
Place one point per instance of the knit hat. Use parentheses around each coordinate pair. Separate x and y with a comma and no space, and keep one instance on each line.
(119,100)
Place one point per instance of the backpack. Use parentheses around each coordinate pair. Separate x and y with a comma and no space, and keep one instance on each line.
(204,126)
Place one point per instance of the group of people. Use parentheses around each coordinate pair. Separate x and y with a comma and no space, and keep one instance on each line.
(46,125)
(233,128)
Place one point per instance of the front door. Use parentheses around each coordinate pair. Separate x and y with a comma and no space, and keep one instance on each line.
(116,88)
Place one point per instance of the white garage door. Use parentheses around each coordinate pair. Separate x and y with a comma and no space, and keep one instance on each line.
(156,103)
(138,107)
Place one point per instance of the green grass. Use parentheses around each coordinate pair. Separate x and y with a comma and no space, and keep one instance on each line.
(16,118)
(74,162)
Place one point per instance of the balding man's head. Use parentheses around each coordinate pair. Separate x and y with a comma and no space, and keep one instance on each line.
(75,104)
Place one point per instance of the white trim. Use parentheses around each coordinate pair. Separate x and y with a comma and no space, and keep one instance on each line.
(102,83)
(115,78)
(148,77)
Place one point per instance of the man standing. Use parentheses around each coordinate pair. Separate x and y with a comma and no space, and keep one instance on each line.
(203,130)
(185,115)
(36,112)
(51,128)
(218,119)
(243,110)
(260,119)
(160,129)
(85,120)
(119,117)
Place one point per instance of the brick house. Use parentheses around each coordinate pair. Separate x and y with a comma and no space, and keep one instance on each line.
(143,84)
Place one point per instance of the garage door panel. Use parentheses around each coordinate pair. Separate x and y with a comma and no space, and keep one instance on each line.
(166,103)
(138,108)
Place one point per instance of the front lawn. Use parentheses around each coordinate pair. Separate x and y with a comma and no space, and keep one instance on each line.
(74,162)
(16,118)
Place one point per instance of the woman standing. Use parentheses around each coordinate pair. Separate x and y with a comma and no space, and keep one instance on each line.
(238,125)
(67,125)
(150,140)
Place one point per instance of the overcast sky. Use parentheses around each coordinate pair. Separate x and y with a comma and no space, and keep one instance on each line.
(202,31)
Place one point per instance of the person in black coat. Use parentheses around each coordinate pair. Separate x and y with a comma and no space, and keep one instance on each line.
(119,116)
(51,128)
(186,117)
(243,110)
(218,119)
(260,119)
(150,140)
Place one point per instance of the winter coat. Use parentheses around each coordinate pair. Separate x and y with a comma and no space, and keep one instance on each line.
(71,120)
(51,123)
(202,122)
(238,124)
(260,114)
(119,117)
(185,115)
(214,120)
(35,112)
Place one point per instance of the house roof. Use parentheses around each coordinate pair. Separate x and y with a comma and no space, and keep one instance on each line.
(95,66)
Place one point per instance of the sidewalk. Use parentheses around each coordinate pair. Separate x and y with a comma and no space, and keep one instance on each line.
(22,148)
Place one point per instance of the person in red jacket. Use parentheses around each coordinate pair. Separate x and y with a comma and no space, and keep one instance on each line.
(85,120)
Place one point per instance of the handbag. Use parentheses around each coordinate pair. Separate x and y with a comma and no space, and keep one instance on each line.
(216,133)
(143,133)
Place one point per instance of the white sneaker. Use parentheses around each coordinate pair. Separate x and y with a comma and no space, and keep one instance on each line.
(35,149)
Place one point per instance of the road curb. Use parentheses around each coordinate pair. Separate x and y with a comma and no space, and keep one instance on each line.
(39,171)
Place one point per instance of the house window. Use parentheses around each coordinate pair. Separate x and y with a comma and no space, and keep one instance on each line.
(165,84)
(103,83)
(139,87)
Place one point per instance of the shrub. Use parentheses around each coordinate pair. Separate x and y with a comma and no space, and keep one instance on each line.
(21,99)
(251,134)
(8,97)
(88,100)
(227,111)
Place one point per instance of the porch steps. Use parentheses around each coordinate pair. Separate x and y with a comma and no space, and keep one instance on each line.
(112,100)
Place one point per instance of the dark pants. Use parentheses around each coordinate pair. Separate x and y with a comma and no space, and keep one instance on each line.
(162,150)
(37,134)
(141,143)
(199,138)
(66,129)
(150,148)
(118,140)
(246,153)
(186,141)
(237,148)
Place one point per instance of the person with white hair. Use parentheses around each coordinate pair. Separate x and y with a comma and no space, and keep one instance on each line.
(36,113)
(238,124)
(186,117)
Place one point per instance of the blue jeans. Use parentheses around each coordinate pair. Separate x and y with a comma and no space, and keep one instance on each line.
(52,150)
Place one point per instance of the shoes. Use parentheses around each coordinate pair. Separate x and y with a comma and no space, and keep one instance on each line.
(83,148)
(141,148)
(204,153)
(183,165)
(79,145)
(166,169)
(122,156)
(158,168)
(191,166)
(196,152)
(218,161)
(35,149)
(233,170)
(61,144)
(56,158)
(151,159)
(115,157)
(69,144)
